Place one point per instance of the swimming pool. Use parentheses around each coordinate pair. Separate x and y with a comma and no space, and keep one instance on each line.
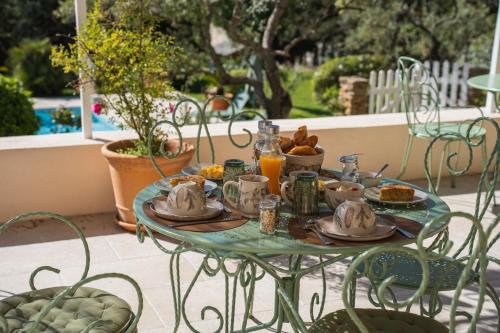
(99,123)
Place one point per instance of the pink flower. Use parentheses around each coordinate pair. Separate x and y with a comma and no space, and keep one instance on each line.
(97,108)
(171,107)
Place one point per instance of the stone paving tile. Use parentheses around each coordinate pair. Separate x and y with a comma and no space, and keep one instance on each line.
(149,272)
(19,283)
(127,246)
(24,258)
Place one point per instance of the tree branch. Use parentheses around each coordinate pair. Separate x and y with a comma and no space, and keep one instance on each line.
(272,23)
(224,76)
(233,33)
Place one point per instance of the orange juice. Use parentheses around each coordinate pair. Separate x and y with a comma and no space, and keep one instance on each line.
(271,168)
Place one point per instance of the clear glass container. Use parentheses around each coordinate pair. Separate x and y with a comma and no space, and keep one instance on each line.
(350,168)
(268,216)
(271,158)
(259,143)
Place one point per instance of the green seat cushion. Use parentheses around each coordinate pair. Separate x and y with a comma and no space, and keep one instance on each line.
(71,315)
(431,130)
(377,321)
(444,273)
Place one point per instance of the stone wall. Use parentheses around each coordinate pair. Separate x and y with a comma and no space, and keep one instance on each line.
(353,94)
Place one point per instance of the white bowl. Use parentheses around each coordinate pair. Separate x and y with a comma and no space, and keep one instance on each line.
(368,179)
(334,198)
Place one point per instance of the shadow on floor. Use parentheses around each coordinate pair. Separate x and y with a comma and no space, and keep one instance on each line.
(48,230)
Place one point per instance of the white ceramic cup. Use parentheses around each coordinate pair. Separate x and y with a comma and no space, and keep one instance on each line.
(186,199)
(251,189)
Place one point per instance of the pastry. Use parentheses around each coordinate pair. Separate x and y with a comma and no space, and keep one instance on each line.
(311,141)
(395,192)
(300,135)
(286,144)
(199,180)
(302,151)
(215,171)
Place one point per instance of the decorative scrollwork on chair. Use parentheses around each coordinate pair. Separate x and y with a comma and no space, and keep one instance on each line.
(43,309)
(180,120)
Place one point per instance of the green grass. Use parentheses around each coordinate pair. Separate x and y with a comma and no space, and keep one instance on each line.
(304,103)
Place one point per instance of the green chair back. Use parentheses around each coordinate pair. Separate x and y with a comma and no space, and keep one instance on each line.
(419,96)
(67,292)
(477,258)
(485,190)
(180,119)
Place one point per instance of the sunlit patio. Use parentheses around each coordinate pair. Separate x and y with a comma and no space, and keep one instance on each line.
(241,166)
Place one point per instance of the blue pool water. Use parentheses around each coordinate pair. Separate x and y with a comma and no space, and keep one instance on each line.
(99,123)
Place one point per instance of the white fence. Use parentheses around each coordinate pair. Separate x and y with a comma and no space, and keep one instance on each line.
(384,94)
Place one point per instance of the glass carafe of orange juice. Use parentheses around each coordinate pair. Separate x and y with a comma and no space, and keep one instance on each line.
(271,158)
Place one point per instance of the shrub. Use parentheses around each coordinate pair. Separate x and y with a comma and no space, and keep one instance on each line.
(16,111)
(326,78)
(30,63)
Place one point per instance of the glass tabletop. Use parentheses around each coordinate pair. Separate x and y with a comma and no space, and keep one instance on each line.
(248,239)
(485,82)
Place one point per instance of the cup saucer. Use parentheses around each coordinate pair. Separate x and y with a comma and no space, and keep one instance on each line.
(159,207)
(383,229)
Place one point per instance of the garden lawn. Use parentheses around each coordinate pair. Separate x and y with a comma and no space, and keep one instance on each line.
(304,103)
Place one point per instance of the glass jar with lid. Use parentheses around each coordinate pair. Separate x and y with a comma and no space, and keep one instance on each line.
(259,144)
(271,158)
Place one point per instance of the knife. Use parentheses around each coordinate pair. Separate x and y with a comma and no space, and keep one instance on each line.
(184,224)
(405,233)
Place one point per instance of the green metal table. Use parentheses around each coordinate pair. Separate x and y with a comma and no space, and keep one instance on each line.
(489,83)
(252,251)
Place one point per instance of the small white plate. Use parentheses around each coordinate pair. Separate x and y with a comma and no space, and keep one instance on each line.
(159,207)
(195,170)
(384,229)
(164,185)
(373,194)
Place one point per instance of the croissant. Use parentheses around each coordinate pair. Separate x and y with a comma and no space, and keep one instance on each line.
(303,150)
(300,135)
(311,141)
(286,144)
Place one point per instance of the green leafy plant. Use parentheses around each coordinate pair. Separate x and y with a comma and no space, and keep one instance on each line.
(29,62)
(16,110)
(128,60)
(326,78)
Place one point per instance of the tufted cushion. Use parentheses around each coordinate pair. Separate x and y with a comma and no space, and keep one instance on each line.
(72,315)
(444,272)
(377,321)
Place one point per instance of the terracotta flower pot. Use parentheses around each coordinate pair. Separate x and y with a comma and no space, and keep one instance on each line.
(130,174)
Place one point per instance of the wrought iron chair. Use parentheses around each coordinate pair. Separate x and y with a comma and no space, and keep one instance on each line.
(447,271)
(70,309)
(420,97)
(354,320)
(181,119)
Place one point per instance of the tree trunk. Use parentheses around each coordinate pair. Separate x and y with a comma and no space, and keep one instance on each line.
(279,106)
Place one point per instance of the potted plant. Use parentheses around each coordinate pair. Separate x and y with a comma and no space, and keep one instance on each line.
(122,53)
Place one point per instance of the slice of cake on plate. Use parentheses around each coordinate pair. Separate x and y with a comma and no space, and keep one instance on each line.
(395,192)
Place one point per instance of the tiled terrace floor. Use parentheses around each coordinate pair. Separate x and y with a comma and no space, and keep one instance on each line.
(25,247)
